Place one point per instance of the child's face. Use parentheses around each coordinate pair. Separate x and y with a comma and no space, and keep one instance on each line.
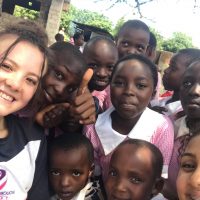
(188,180)
(190,91)
(69,171)
(60,85)
(80,41)
(131,88)
(101,59)
(174,73)
(19,77)
(132,41)
(130,174)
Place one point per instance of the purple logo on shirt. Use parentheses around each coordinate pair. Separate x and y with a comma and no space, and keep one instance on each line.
(3,178)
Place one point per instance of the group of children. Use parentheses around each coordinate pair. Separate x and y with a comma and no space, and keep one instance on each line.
(105,139)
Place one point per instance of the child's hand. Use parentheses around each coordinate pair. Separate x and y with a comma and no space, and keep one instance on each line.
(55,116)
(83,108)
(52,115)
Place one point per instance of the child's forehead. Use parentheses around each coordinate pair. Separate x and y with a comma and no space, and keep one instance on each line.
(131,153)
(69,152)
(131,65)
(193,69)
(136,31)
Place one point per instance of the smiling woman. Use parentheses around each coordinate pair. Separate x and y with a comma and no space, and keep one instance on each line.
(20,76)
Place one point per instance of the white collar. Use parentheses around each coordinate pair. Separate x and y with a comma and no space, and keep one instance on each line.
(180,127)
(173,107)
(143,129)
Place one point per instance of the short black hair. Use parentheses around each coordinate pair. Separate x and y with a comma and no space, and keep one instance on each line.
(71,55)
(136,24)
(192,55)
(152,40)
(157,158)
(59,37)
(77,35)
(68,142)
(143,59)
(97,39)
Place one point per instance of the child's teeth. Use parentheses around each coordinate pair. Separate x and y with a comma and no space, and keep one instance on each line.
(6,97)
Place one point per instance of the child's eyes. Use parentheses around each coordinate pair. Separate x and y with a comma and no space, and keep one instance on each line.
(55,173)
(92,65)
(118,84)
(125,43)
(71,89)
(76,173)
(6,67)
(141,86)
(59,75)
(31,81)
(110,67)
(187,84)
(140,48)
(135,180)
(112,173)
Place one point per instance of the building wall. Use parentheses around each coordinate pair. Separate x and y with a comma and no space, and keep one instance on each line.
(50,14)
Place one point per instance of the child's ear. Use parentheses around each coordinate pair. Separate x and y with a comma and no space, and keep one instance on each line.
(91,170)
(158,186)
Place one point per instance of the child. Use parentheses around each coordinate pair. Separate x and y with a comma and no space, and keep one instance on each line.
(71,164)
(101,55)
(79,41)
(189,124)
(23,48)
(188,179)
(151,54)
(61,83)
(133,38)
(172,80)
(133,83)
(140,175)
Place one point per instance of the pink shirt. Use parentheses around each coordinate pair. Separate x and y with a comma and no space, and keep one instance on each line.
(104,98)
(158,131)
(181,131)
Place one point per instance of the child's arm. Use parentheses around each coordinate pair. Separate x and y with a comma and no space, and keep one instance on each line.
(52,115)
(84,107)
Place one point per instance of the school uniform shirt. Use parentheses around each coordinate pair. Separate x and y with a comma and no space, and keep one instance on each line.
(23,173)
(181,131)
(173,107)
(151,126)
(103,97)
(90,192)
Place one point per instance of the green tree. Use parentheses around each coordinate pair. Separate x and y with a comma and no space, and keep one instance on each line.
(85,17)
(176,42)
(118,25)
(25,13)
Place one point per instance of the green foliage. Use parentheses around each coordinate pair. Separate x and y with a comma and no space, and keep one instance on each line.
(85,17)
(118,25)
(176,42)
(25,13)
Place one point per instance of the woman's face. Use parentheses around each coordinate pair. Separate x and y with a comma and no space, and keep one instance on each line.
(20,73)
(188,180)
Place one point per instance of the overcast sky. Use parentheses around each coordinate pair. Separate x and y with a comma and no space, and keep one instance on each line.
(166,16)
